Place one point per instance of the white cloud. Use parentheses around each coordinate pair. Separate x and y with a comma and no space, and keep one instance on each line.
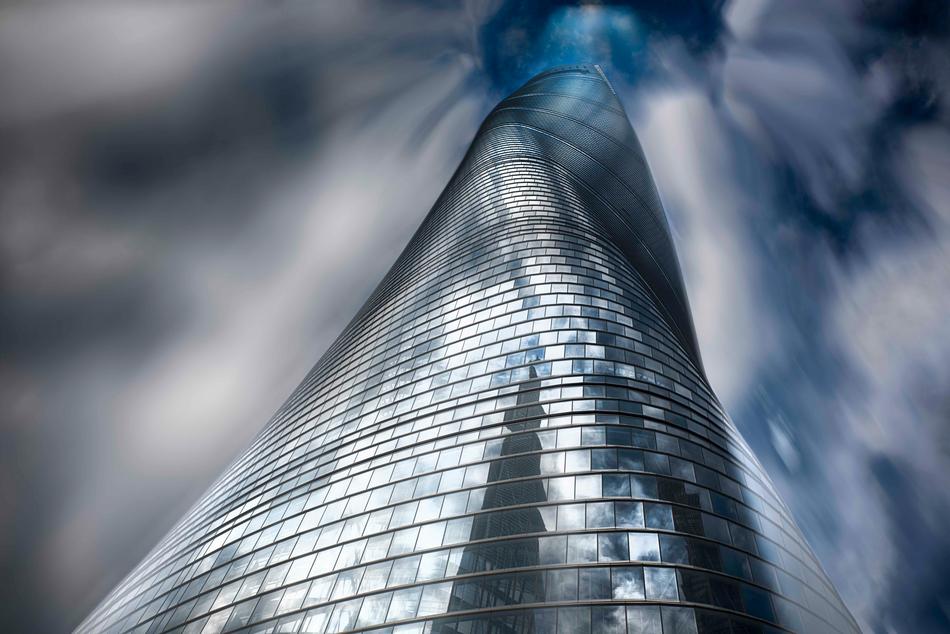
(789,83)
(890,319)
(691,157)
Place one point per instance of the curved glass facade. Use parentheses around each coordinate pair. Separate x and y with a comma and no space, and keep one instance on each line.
(514,434)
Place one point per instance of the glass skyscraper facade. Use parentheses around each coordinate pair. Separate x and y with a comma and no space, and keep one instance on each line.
(514,434)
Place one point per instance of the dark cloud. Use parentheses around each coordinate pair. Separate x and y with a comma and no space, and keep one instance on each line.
(196,198)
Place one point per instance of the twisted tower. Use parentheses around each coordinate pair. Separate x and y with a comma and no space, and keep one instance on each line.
(514,434)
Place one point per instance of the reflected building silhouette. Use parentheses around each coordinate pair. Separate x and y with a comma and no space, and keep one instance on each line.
(519,458)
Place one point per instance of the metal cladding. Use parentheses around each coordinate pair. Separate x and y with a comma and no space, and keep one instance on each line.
(514,434)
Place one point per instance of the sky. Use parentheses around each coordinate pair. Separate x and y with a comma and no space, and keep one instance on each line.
(195,198)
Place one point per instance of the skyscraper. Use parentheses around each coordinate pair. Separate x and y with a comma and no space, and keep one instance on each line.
(514,434)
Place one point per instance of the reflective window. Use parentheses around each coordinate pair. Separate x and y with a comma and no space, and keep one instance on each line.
(627,582)
(644,547)
(660,583)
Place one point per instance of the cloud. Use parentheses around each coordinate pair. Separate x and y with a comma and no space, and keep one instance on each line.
(692,155)
(789,83)
(889,321)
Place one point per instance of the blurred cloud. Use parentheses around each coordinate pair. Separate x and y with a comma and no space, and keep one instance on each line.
(691,153)
(788,82)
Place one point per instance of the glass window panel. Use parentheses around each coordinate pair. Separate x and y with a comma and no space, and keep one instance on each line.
(457,531)
(643,487)
(316,620)
(216,623)
(608,619)
(561,585)
(300,568)
(430,535)
(250,586)
(644,619)
(592,436)
(354,527)
(476,475)
(404,604)
(578,460)
(716,528)
(227,594)
(660,583)
(629,514)
(569,437)
(787,614)
(376,576)
(630,459)
(644,547)
(432,565)
(682,469)
(377,547)
(612,547)
(344,615)
(347,583)
(548,517)
(374,609)
(602,459)
(552,463)
(757,603)
(203,605)
(275,577)
(320,590)
(587,486)
(305,543)
(561,489)
(266,606)
(435,599)
(241,614)
(616,485)
(454,504)
(289,624)
(658,516)
(764,574)
(594,584)
(570,517)
(600,515)
(673,549)
(404,571)
(573,620)
(656,463)
(351,554)
(403,514)
(742,538)
(552,550)
(627,582)
(735,563)
(404,541)
(678,620)
(293,598)
(581,549)
(325,560)
(544,620)
(455,562)
(429,509)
